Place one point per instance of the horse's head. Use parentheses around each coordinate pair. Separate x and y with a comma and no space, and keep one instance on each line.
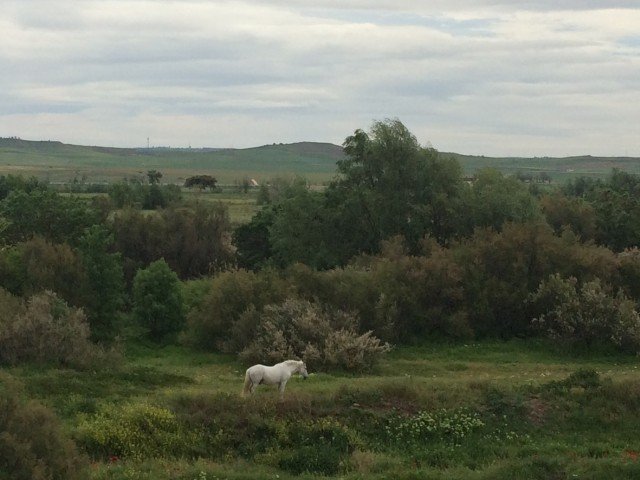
(302,370)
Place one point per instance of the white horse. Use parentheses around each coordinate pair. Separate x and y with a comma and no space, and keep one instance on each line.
(280,373)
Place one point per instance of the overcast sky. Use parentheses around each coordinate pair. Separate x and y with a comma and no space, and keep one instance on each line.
(492,77)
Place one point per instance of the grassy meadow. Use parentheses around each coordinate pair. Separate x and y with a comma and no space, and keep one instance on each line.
(61,163)
(514,410)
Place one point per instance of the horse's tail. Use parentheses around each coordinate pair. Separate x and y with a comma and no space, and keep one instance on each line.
(247,384)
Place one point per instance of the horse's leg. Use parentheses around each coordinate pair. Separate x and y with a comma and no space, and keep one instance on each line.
(281,387)
(254,383)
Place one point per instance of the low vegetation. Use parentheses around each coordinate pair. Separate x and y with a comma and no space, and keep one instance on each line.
(452,329)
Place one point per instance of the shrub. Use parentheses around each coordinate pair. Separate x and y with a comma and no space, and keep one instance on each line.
(586,315)
(502,269)
(136,431)
(346,349)
(229,296)
(228,428)
(194,292)
(321,447)
(442,425)
(33,445)
(582,378)
(157,300)
(50,266)
(322,337)
(45,330)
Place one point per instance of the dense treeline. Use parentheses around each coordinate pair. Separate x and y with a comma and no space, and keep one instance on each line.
(396,249)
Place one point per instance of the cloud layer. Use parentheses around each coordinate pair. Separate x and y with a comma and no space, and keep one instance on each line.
(493,77)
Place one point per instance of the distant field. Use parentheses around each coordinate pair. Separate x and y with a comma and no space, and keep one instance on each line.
(61,163)
(241,206)
(559,169)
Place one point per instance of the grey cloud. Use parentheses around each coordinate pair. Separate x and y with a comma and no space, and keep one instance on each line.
(479,77)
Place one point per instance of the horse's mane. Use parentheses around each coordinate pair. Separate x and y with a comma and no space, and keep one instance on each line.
(292,362)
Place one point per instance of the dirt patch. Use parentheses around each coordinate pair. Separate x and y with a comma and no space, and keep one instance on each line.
(537,410)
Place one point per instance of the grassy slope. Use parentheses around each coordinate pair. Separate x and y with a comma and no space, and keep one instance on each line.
(531,432)
(557,168)
(59,162)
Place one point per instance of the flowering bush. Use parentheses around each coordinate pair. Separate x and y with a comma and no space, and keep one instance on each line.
(441,425)
(135,431)
(322,337)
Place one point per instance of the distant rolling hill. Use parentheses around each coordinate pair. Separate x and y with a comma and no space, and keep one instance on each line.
(59,162)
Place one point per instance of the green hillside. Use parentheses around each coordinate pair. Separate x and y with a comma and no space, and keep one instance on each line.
(558,169)
(59,162)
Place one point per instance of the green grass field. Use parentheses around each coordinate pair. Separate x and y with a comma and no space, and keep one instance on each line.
(61,163)
(532,425)
(241,206)
(58,162)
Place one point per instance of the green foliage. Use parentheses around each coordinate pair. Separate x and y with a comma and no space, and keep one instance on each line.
(154,176)
(574,213)
(268,433)
(298,231)
(425,427)
(393,186)
(581,378)
(157,301)
(9,183)
(496,200)
(501,269)
(134,431)
(105,282)
(33,443)
(194,292)
(252,241)
(616,204)
(135,194)
(388,185)
(201,182)
(45,330)
(322,447)
(46,213)
(587,315)
(230,295)
(194,241)
(37,264)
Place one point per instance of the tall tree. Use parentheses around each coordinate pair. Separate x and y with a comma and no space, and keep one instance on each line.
(393,186)
(105,279)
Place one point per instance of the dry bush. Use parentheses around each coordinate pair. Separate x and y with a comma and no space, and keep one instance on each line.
(323,338)
(346,349)
(46,330)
